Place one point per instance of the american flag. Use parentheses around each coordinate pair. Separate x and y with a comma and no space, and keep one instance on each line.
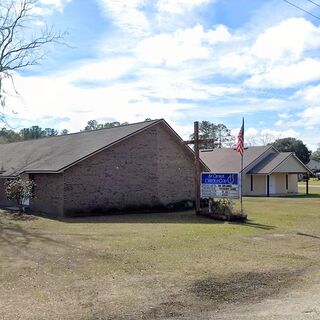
(240,144)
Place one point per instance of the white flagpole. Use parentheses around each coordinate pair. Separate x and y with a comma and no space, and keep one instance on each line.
(241,188)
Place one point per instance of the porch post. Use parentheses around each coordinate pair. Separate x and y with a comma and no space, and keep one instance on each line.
(268,186)
(307,184)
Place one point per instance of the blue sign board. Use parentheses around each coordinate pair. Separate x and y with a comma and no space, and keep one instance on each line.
(219,178)
(220,185)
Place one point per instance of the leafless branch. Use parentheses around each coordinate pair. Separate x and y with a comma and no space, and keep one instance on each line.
(18,47)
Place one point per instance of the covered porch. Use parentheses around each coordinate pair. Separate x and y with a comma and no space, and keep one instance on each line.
(277,175)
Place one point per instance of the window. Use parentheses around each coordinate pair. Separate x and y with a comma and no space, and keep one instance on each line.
(251,183)
(287,182)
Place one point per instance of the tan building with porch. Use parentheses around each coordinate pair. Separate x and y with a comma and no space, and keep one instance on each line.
(266,171)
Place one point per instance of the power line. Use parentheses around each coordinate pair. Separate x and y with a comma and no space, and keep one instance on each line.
(317,4)
(301,9)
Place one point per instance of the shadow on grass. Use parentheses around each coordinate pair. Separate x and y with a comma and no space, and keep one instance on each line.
(13,234)
(308,235)
(251,224)
(242,287)
(183,217)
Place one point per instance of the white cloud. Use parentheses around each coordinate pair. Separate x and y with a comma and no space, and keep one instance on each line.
(47,7)
(309,118)
(284,115)
(168,85)
(167,64)
(288,75)
(56,3)
(127,14)
(236,64)
(310,94)
(101,70)
(40,23)
(254,137)
(251,132)
(278,57)
(287,41)
(182,45)
(277,134)
(59,98)
(179,6)
(279,123)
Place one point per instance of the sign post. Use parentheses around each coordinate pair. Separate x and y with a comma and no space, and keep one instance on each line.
(196,142)
(197,167)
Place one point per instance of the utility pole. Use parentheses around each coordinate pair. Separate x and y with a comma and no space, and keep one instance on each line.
(196,142)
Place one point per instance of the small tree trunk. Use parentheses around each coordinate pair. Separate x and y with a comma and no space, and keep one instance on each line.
(21,207)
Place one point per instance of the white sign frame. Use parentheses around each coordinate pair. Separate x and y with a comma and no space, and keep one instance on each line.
(219,188)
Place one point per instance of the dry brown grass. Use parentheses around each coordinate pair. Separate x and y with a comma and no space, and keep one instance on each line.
(148,266)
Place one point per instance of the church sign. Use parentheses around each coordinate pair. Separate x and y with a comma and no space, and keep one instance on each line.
(220,185)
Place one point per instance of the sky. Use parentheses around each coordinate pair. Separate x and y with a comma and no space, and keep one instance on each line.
(181,60)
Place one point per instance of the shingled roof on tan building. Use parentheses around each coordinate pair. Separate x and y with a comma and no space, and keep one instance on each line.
(228,160)
(264,159)
(270,163)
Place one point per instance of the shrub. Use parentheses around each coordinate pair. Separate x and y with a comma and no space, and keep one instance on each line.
(223,209)
(19,190)
(222,206)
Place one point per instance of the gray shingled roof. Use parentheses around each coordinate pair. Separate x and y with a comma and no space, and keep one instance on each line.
(228,160)
(55,153)
(314,165)
(267,165)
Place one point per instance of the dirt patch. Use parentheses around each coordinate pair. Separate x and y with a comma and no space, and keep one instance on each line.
(165,310)
(215,293)
(245,286)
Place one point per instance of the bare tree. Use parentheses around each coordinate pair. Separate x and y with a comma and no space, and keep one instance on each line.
(267,138)
(19,48)
(251,141)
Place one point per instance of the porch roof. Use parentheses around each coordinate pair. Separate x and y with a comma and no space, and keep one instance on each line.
(283,162)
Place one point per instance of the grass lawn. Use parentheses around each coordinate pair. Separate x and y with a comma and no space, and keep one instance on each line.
(314,186)
(313,181)
(148,266)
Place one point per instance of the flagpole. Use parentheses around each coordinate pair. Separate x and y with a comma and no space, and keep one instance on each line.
(241,188)
(240,149)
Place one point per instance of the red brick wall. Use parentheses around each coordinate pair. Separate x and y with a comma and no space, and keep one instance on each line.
(121,176)
(175,170)
(48,194)
(147,170)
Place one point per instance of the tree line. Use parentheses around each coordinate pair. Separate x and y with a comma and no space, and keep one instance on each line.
(36,132)
(219,134)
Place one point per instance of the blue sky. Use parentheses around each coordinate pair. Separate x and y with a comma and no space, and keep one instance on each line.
(182,60)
